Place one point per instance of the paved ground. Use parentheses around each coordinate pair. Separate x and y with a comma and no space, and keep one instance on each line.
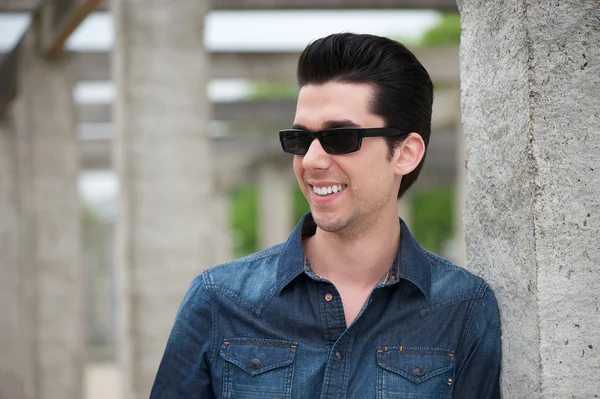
(102,381)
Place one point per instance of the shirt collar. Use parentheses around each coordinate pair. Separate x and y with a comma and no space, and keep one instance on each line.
(411,263)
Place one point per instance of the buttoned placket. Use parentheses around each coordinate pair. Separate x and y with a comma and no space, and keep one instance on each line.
(337,335)
(339,341)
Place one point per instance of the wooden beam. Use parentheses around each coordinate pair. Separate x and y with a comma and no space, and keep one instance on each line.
(441,62)
(449,5)
(60,18)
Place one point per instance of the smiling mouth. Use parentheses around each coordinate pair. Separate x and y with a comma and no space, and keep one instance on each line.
(328,190)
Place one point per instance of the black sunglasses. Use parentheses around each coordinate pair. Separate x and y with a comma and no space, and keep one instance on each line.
(334,141)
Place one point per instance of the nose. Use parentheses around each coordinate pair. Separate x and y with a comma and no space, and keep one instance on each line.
(316,157)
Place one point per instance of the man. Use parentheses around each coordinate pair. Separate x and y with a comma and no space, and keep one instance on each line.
(350,306)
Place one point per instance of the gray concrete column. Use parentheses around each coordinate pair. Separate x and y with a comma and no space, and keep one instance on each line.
(460,195)
(530,75)
(49,276)
(163,159)
(275,204)
(13,376)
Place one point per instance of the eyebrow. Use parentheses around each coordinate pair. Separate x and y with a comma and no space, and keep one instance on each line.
(333,124)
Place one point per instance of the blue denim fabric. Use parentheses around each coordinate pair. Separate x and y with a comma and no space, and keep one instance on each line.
(260,327)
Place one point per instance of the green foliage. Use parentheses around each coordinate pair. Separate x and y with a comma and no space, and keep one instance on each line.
(299,204)
(243,218)
(273,90)
(433,217)
(446,32)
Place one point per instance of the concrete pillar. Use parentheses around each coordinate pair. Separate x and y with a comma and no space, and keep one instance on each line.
(460,195)
(531,114)
(275,199)
(163,160)
(13,378)
(45,276)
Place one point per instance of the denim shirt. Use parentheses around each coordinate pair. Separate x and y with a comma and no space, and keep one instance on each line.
(265,326)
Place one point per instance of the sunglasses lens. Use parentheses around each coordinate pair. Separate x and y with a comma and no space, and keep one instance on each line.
(340,141)
(295,142)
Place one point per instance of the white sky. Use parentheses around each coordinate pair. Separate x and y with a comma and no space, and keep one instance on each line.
(251,30)
(226,31)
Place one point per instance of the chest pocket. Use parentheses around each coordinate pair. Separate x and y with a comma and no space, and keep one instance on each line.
(258,368)
(414,373)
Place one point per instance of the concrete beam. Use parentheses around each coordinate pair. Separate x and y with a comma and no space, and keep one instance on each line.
(278,111)
(448,5)
(237,159)
(441,62)
(255,66)
(243,111)
(19,5)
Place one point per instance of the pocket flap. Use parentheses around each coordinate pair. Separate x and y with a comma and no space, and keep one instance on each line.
(257,356)
(416,364)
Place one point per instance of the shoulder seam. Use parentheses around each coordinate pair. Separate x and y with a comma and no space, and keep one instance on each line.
(448,302)
(236,298)
(256,256)
(439,261)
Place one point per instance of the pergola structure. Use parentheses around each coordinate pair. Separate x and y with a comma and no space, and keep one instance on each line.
(171,195)
(441,62)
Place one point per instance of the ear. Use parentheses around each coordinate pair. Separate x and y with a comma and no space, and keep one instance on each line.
(409,153)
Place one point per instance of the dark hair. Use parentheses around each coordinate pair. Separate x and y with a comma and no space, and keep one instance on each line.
(403,92)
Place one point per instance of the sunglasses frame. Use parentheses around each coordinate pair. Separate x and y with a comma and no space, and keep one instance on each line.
(360,132)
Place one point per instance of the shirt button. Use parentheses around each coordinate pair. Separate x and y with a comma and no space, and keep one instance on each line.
(417,371)
(328,297)
(339,355)
(255,363)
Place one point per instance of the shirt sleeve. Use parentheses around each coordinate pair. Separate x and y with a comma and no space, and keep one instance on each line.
(479,374)
(184,371)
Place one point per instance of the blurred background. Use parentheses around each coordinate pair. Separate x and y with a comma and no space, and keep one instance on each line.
(250,94)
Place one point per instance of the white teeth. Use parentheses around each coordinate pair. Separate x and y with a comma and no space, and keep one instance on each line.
(328,190)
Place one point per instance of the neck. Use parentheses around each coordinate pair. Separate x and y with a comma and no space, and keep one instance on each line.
(357,260)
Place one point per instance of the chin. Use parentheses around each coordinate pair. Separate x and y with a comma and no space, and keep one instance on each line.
(328,223)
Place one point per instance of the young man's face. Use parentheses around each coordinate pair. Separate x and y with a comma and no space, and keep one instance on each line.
(369,181)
